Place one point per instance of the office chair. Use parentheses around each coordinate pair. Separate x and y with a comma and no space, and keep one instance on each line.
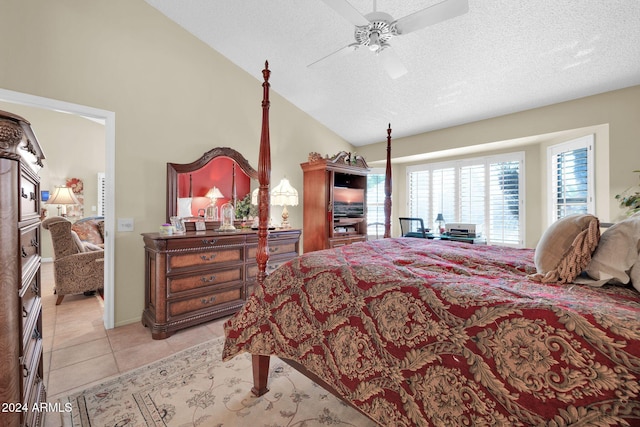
(413,227)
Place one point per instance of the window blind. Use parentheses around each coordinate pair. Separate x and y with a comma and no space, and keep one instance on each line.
(485,191)
(571,178)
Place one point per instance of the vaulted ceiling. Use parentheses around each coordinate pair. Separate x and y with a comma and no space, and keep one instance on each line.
(502,56)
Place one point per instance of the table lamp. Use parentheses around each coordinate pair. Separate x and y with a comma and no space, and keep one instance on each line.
(63,196)
(284,195)
(211,212)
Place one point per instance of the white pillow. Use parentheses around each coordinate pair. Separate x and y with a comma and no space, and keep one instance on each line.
(617,253)
(184,207)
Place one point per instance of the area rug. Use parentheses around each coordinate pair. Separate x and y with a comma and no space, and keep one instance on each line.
(195,388)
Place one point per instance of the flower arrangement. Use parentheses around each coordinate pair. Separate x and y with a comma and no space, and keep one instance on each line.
(630,201)
(244,208)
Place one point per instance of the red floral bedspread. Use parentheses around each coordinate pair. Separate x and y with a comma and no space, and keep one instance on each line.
(417,332)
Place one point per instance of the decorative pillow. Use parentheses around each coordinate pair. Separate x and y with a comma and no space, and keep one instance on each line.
(565,248)
(184,207)
(101,229)
(91,247)
(617,253)
(635,274)
(87,231)
(77,241)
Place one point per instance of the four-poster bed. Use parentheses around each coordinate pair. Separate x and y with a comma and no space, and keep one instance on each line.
(424,332)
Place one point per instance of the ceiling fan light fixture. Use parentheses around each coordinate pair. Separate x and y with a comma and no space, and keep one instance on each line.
(374,41)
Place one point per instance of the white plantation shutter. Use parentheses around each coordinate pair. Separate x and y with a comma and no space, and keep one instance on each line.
(571,178)
(505,225)
(443,198)
(375,204)
(472,194)
(487,191)
(420,195)
(101,193)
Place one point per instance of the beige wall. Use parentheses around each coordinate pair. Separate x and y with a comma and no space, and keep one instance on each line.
(174,98)
(613,117)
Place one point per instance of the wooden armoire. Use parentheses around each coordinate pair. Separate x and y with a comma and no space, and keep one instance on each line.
(330,220)
(21,364)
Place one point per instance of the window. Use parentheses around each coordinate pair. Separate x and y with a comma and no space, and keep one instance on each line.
(571,178)
(375,204)
(485,191)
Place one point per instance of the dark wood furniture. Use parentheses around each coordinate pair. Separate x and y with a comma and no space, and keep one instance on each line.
(21,382)
(198,168)
(260,363)
(196,277)
(324,225)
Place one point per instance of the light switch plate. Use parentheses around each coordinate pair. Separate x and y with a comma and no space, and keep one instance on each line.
(125,224)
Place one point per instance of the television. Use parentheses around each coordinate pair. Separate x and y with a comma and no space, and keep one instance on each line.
(348,202)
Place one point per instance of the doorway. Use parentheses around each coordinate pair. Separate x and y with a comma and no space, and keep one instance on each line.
(107,118)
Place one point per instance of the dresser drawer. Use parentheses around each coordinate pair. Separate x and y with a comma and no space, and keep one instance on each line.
(252,269)
(31,361)
(215,255)
(341,241)
(29,295)
(32,325)
(29,244)
(206,301)
(179,284)
(203,242)
(276,247)
(29,200)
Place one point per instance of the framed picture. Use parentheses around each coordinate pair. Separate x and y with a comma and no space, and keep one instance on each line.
(201,226)
(178,224)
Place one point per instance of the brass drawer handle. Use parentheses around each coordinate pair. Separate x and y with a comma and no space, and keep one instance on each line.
(25,313)
(210,300)
(209,242)
(23,252)
(208,258)
(210,279)
(273,249)
(25,371)
(32,195)
(34,242)
(23,194)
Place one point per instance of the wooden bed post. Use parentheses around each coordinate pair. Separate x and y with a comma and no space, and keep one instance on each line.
(261,363)
(387,188)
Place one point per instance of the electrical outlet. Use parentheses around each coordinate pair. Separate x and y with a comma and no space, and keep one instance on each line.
(125,224)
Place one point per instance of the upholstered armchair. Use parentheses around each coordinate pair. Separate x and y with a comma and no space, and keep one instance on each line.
(78,266)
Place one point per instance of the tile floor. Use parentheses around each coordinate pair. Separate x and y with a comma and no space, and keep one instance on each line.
(78,350)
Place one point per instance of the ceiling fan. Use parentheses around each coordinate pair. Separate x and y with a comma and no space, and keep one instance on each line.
(375,29)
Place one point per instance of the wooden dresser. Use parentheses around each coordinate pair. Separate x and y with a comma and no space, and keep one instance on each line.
(200,276)
(21,382)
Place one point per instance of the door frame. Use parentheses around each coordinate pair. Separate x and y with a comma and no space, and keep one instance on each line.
(108,118)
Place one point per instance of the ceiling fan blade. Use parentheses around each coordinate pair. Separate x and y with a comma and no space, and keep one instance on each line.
(343,51)
(350,13)
(432,15)
(392,63)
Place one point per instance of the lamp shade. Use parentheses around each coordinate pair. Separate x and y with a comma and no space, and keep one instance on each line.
(440,217)
(214,193)
(63,196)
(284,194)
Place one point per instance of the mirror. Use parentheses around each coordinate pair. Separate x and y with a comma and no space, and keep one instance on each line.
(189,184)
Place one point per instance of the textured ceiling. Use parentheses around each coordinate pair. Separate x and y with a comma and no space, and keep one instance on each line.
(503,56)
